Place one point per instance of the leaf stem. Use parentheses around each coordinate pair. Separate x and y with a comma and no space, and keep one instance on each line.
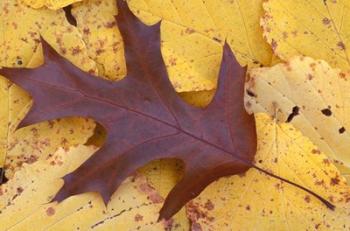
(323,200)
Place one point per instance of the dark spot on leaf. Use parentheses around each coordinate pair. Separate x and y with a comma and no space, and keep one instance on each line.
(69,16)
(326,112)
(138,217)
(326,21)
(295,112)
(274,44)
(209,205)
(217,39)
(19,190)
(341,45)
(341,130)
(111,24)
(50,211)
(250,93)
(307,198)
(335,181)
(3,178)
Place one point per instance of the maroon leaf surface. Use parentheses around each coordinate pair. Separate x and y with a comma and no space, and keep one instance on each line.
(144,117)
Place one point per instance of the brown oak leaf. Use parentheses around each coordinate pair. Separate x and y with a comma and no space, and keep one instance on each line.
(144,117)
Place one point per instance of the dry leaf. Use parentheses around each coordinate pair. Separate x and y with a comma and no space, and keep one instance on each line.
(20,30)
(309,94)
(145,102)
(163,175)
(97,24)
(24,200)
(319,29)
(51,4)
(36,184)
(193,33)
(254,201)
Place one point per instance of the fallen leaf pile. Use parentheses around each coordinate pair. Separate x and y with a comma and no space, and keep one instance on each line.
(139,115)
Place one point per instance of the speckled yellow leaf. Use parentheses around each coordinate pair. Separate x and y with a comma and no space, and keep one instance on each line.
(254,201)
(97,24)
(134,206)
(34,142)
(23,200)
(319,29)
(131,208)
(36,184)
(309,94)
(162,175)
(51,4)
(193,33)
(20,30)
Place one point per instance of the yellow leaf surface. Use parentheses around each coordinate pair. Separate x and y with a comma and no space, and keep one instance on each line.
(255,201)
(193,33)
(34,142)
(318,95)
(97,25)
(24,200)
(51,4)
(162,175)
(36,184)
(20,30)
(319,29)
(198,98)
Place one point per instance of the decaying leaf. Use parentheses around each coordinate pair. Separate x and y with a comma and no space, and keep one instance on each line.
(24,200)
(51,4)
(163,175)
(34,142)
(193,34)
(144,117)
(20,30)
(319,29)
(309,94)
(254,201)
(36,184)
(97,24)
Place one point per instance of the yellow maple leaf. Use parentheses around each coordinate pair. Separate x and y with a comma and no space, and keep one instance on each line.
(34,142)
(51,4)
(193,33)
(97,25)
(255,201)
(20,30)
(24,200)
(318,29)
(309,94)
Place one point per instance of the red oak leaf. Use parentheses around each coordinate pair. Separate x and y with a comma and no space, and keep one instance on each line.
(144,117)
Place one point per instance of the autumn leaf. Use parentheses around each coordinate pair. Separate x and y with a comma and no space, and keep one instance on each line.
(34,142)
(193,34)
(134,204)
(98,27)
(255,201)
(163,175)
(318,29)
(146,102)
(309,94)
(21,27)
(36,184)
(51,4)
